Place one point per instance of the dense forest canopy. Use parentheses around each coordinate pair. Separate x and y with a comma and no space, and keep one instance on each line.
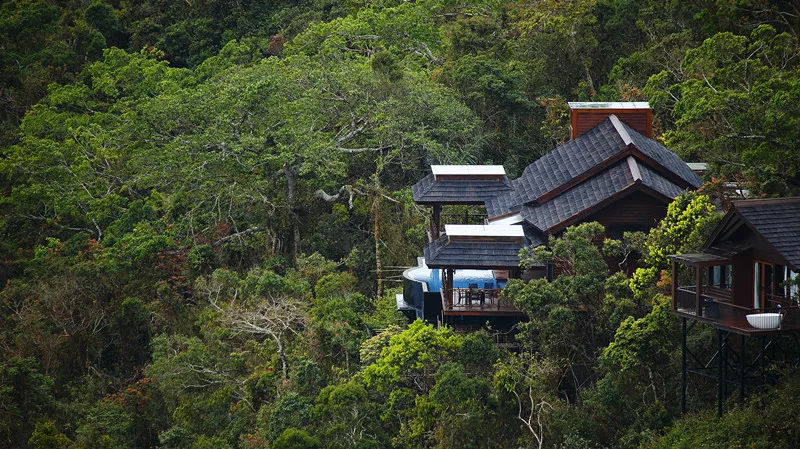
(206,206)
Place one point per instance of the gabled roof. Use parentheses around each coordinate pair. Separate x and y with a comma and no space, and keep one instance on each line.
(445,252)
(500,232)
(776,220)
(618,181)
(660,184)
(592,152)
(664,157)
(458,191)
(567,161)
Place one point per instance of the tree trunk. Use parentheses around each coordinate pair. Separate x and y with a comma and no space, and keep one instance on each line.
(376,206)
(282,356)
(291,200)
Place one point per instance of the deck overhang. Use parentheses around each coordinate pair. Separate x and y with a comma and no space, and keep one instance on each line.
(700,259)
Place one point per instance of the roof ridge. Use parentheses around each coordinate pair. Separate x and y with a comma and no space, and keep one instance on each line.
(764,201)
(634,168)
(623,133)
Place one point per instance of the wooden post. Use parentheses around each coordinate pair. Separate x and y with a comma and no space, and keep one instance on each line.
(732,287)
(741,368)
(773,284)
(674,285)
(435,219)
(450,287)
(698,291)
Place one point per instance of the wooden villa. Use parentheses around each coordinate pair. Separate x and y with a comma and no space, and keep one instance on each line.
(611,172)
(742,284)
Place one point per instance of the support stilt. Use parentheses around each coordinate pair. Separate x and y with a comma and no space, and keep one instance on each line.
(742,355)
(683,371)
(720,379)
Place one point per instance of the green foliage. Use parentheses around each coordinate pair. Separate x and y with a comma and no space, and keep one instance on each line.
(200,197)
(372,347)
(46,436)
(641,342)
(528,381)
(296,439)
(688,223)
(410,358)
(558,309)
(619,303)
(202,259)
(25,394)
(574,253)
(290,411)
(765,412)
(732,104)
(348,416)
(107,425)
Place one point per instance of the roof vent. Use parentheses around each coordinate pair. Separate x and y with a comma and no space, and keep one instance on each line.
(462,172)
(511,233)
(586,115)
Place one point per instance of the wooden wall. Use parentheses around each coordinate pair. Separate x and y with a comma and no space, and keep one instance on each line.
(743,279)
(583,120)
(635,212)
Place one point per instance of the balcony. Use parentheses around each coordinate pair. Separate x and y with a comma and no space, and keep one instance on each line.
(717,309)
(476,301)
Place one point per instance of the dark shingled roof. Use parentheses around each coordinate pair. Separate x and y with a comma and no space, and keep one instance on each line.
(502,204)
(778,221)
(600,187)
(579,198)
(664,157)
(480,254)
(659,183)
(568,161)
(462,191)
(442,253)
(604,141)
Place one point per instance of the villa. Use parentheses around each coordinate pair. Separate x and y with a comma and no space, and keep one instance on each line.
(611,171)
(743,284)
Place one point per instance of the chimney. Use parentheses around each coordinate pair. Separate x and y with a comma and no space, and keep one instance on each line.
(586,115)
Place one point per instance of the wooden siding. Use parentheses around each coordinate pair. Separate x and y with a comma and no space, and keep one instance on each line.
(635,212)
(582,120)
(743,279)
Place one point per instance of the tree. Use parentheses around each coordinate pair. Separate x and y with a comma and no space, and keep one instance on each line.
(348,416)
(296,439)
(562,311)
(527,379)
(732,104)
(261,312)
(25,397)
(689,221)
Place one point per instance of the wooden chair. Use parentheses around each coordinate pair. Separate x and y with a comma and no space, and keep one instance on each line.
(474,293)
(489,290)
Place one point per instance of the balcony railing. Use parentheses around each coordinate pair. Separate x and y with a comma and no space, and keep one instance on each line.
(716,307)
(475,299)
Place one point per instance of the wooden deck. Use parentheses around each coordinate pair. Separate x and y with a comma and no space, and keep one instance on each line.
(476,302)
(739,325)
(717,310)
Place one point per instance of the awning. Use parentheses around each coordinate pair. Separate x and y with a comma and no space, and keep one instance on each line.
(699,259)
